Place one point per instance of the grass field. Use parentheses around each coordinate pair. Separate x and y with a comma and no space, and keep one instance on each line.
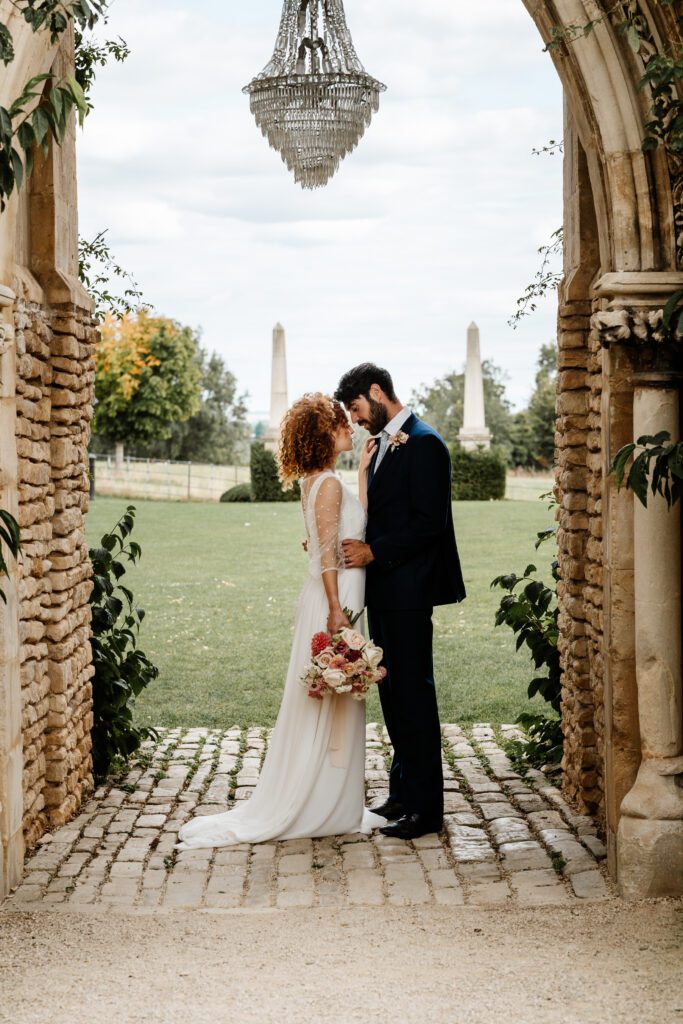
(219,584)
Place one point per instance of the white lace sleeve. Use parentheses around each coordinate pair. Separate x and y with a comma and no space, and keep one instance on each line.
(328,503)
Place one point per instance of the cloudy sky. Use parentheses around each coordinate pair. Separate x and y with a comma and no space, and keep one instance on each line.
(432,222)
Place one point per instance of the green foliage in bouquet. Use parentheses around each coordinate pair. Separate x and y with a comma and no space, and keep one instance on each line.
(121,670)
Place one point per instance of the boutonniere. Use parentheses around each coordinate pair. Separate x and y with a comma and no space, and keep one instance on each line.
(398,439)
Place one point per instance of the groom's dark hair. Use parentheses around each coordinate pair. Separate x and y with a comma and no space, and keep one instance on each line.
(359,381)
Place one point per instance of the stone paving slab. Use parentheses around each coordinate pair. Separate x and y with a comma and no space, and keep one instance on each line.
(506,840)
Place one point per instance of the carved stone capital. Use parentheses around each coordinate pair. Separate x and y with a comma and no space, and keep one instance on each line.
(635,326)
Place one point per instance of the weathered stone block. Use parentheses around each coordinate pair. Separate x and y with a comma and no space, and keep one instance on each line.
(66,345)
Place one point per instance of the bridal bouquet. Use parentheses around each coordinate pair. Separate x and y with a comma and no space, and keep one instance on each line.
(343,662)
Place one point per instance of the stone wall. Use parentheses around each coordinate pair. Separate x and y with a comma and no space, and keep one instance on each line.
(579,494)
(54,407)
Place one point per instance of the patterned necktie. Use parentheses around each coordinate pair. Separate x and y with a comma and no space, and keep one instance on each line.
(383,444)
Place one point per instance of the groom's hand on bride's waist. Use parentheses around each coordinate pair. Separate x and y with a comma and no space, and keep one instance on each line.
(357,554)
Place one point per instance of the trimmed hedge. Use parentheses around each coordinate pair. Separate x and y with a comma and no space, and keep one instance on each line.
(265,483)
(241,492)
(479,475)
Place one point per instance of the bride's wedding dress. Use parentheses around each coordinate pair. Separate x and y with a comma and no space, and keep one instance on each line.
(312,782)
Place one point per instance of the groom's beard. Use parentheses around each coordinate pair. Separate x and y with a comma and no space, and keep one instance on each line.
(378,419)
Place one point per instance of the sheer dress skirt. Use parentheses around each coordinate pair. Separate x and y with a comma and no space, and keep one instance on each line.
(312,782)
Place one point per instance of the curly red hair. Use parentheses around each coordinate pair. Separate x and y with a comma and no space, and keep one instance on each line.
(307,436)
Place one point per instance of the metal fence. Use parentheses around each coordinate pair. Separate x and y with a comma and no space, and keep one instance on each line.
(153,478)
(194,481)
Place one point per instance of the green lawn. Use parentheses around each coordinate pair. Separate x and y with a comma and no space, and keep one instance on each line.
(220,583)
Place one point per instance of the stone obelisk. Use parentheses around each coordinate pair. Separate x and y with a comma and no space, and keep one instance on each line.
(279,402)
(474,431)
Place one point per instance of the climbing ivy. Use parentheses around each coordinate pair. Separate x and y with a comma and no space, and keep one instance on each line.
(122,671)
(42,109)
(97,268)
(662,73)
(531,611)
(545,279)
(657,467)
(10,539)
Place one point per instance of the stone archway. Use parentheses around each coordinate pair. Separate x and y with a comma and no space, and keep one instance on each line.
(623,210)
(623,258)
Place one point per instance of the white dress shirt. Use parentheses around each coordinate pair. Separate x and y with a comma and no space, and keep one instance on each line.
(392,427)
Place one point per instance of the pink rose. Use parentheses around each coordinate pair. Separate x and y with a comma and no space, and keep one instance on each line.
(355,640)
(334,678)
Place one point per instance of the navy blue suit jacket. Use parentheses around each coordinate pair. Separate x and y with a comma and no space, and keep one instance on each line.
(410,525)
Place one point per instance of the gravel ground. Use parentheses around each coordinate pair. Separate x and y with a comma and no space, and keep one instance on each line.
(592,964)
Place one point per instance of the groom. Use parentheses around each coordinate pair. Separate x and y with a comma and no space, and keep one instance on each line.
(412,565)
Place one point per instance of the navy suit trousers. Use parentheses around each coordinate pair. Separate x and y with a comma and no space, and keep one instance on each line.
(409,705)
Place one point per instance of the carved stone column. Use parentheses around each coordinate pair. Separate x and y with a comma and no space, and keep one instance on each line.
(650,836)
(643,561)
(11,741)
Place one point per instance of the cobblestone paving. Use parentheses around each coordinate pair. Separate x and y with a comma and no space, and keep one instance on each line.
(506,839)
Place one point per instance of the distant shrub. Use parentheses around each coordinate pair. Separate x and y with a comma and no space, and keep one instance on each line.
(479,475)
(265,483)
(241,492)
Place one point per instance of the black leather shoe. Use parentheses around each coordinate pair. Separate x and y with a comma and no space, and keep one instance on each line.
(390,809)
(410,826)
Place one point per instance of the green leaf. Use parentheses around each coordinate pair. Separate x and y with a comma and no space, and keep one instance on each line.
(41,124)
(6,45)
(671,306)
(57,100)
(79,97)
(17,167)
(633,38)
(637,478)
(618,467)
(26,135)
(5,127)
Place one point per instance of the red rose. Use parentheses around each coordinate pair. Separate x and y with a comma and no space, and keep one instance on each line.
(353,656)
(319,642)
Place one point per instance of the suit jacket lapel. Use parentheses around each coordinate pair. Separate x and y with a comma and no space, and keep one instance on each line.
(373,463)
(377,470)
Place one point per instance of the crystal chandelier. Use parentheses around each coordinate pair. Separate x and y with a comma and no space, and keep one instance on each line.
(314,100)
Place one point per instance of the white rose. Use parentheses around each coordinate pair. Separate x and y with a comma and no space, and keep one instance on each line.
(344,689)
(355,640)
(335,678)
(372,655)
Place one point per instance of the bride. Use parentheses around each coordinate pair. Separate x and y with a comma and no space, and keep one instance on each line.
(312,782)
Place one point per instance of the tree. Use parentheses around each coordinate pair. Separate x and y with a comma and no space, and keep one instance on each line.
(542,414)
(442,405)
(218,432)
(146,378)
(533,429)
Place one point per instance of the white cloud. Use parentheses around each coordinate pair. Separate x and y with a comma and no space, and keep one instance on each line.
(432,222)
